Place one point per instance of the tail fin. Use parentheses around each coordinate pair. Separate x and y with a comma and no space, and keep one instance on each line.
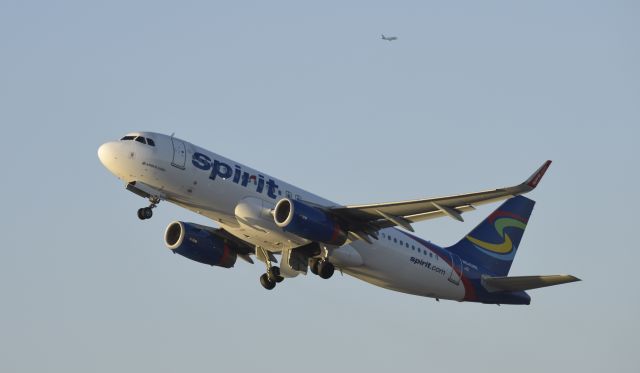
(492,245)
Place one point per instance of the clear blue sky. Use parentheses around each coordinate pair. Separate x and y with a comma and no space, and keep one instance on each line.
(473,95)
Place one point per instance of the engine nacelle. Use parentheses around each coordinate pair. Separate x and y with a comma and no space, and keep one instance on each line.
(197,243)
(308,222)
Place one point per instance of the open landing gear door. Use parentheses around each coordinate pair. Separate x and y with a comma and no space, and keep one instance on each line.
(293,262)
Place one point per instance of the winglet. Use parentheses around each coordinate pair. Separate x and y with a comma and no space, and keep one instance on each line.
(533,181)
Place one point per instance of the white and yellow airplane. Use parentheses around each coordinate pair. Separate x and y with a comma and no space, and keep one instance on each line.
(261,216)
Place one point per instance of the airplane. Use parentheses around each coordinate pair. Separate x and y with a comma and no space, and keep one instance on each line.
(389,38)
(260,216)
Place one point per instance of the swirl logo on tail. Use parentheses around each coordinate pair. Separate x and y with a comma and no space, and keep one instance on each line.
(506,246)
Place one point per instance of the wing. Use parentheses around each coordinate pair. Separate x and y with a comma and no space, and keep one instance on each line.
(366,220)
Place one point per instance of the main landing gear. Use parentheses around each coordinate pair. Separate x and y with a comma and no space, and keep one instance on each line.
(147,212)
(322,268)
(319,266)
(269,279)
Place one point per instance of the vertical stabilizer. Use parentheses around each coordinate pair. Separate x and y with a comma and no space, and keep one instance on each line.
(492,245)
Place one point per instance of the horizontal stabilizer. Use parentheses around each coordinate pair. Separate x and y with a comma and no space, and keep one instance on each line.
(520,283)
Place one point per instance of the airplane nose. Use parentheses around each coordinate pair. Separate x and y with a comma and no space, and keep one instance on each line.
(107,155)
(102,153)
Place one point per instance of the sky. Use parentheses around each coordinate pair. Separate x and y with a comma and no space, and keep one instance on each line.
(472,96)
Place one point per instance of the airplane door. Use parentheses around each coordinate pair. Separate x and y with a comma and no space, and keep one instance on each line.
(456,269)
(179,153)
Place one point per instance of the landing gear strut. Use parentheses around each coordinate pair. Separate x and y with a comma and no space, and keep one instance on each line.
(147,212)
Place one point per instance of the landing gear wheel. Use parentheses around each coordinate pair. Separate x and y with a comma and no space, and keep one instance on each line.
(275,274)
(325,269)
(266,282)
(313,266)
(147,212)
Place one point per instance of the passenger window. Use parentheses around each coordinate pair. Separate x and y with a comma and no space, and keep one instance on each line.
(394,240)
(400,242)
(407,244)
(140,139)
(389,237)
(151,142)
(413,247)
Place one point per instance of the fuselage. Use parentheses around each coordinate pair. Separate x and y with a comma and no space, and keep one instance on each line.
(240,199)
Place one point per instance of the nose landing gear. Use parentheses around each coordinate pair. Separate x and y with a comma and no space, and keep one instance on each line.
(147,212)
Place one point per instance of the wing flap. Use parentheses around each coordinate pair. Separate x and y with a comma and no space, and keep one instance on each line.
(521,283)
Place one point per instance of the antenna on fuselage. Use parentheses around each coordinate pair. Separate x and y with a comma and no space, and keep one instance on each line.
(172,133)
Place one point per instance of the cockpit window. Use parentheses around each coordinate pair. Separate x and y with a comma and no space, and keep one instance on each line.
(139,139)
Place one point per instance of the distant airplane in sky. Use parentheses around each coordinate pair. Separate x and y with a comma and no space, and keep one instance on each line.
(261,216)
(389,38)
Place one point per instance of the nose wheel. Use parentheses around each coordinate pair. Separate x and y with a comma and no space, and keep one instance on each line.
(147,212)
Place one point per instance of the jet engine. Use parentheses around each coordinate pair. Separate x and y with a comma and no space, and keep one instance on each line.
(200,243)
(309,222)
